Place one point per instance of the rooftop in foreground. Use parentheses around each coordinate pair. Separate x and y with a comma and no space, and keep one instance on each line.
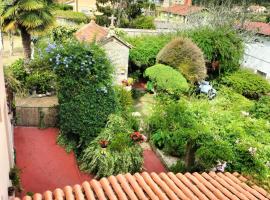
(164,186)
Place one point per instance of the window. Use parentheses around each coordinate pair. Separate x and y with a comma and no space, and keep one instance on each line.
(263,74)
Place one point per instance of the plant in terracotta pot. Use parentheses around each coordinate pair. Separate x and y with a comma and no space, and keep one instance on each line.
(138,137)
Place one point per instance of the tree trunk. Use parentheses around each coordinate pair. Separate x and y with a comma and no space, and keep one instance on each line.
(190,155)
(26,42)
(11,43)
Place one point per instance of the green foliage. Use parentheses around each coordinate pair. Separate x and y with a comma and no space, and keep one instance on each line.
(222,44)
(85,86)
(143,22)
(42,81)
(122,155)
(212,131)
(18,70)
(247,83)
(14,176)
(186,57)
(145,49)
(62,6)
(166,79)
(62,33)
(261,109)
(77,17)
(124,97)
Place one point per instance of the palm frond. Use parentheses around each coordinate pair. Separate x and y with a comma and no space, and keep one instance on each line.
(29,5)
(11,26)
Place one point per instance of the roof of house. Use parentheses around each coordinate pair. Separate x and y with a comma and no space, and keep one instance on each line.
(164,186)
(259,27)
(91,31)
(182,10)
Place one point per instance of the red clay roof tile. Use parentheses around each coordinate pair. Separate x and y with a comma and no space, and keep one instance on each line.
(260,27)
(214,186)
(182,10)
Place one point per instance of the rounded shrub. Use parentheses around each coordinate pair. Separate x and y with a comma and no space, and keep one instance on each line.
(166,79)
(247,83)
(185,56)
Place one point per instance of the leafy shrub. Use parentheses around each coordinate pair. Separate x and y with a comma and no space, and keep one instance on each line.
(124,98)
(121,155)
(145,49)
(62,33)
(222,44)
(77,17)
(261,109)
(143,22)
(247,83)
(42,81)
(167,79)
(18,70)
(85,86)
(203,133)
(14,176)
(185,56)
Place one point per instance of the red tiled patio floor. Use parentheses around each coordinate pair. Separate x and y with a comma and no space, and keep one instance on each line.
(46,166)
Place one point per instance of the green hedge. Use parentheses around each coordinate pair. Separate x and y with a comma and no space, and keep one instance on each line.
(167,79)
(145,49)
(76,17)
(261,109)
(143,22)
(247,83)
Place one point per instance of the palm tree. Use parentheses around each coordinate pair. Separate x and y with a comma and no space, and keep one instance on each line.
(29,16)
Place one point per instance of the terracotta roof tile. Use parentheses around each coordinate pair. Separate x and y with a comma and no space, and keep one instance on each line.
(260,27)
(182,10)
(213,186)
(91,32)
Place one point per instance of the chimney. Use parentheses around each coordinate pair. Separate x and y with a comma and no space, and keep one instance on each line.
(188,2)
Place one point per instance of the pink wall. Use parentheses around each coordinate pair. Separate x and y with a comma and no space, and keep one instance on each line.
(6,144)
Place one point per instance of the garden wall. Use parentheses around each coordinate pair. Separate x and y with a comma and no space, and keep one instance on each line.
(37,116)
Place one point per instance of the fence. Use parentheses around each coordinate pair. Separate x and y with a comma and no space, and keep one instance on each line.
(37,116)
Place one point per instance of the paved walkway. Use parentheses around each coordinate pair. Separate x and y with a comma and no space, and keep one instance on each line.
(46,166)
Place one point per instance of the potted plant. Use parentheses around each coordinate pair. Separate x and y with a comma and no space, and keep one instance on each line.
(103,143)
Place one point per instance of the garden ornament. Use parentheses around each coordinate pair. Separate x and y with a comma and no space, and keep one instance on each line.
(204,87)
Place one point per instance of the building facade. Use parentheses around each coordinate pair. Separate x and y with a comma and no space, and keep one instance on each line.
(6,139)
(84,6)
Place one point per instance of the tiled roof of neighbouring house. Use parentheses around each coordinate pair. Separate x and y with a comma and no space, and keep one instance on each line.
(259,27)
(182,10)
(91,32)
(164,186)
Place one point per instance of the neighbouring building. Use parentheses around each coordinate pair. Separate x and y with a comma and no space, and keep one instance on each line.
(179,14)
(257,51)
(6,139)
(84,6)
(116,49)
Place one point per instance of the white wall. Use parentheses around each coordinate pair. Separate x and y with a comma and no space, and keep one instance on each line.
(257,57)
(6,147)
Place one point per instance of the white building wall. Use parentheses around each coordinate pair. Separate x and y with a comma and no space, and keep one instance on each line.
(257,57)
(6,140)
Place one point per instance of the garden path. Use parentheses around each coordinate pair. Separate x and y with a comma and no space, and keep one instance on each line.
(46,166)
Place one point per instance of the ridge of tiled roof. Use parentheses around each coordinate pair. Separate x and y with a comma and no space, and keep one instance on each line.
(91,31)
(182,10)
(165,186)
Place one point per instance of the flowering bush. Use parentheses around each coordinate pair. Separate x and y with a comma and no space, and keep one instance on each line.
(138,137)
(85,93)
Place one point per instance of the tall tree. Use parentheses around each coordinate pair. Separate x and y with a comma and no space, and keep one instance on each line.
(28,16)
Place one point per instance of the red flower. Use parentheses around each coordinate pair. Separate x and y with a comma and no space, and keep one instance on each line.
(138,137)
(103,143)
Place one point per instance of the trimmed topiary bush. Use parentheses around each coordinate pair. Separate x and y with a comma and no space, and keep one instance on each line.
(166,79)
(247,83)
(185,56)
